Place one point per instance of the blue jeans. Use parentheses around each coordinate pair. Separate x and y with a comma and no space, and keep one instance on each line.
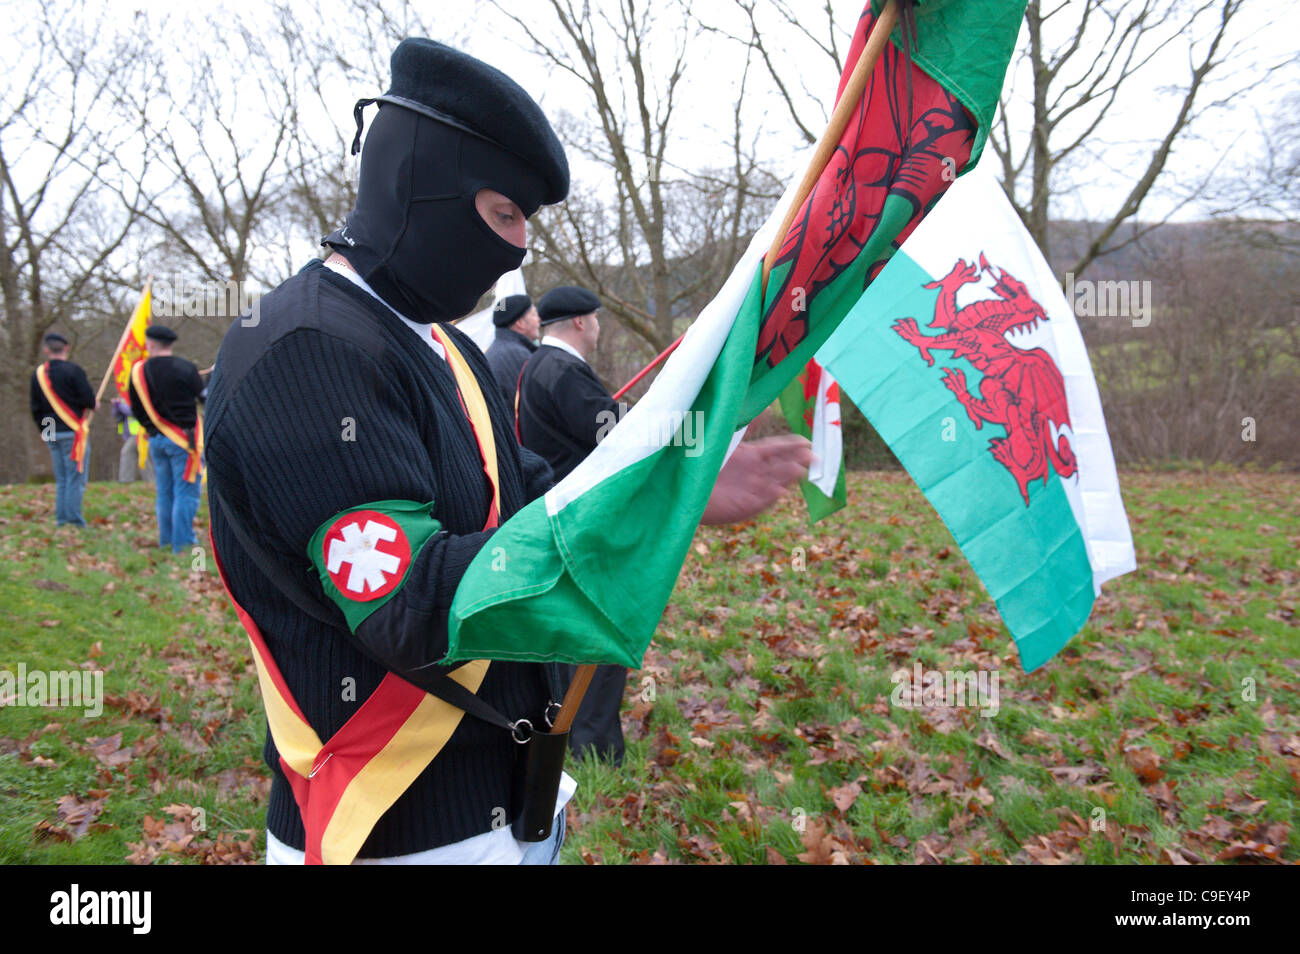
(178,501)
(547,852)
(69,485)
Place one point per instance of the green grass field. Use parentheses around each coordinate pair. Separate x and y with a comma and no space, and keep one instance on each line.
(763,726)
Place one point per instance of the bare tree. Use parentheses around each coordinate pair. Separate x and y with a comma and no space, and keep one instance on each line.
(1259,204)
(779,32)
(1083,60)
(1214,378)
(655,234)
(60,224)
(217,138)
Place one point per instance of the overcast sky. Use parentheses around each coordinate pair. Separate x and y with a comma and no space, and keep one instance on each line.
(1226,137)
(1229,136)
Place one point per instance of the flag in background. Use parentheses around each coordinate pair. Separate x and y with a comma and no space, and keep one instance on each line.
(811,405)
(583,574)
(479,325)
(966,358)
(132,349)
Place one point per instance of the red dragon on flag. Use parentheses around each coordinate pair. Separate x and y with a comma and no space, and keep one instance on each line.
(1021,388)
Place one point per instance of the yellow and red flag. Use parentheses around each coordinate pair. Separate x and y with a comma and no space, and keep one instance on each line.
(132,349)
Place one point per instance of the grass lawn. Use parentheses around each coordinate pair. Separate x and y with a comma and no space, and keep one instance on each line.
(764,725)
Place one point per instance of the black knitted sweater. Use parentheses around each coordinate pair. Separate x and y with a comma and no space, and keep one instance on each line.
(323,400)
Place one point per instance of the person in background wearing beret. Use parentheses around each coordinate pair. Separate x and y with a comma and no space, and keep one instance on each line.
(563,407)
(516,323)
(60,397)
(564,410)
(360,455)
(165,390)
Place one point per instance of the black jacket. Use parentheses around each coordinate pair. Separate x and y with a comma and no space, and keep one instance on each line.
(329,402)
(506,358)
(175,387)
(564,410)
(69,382)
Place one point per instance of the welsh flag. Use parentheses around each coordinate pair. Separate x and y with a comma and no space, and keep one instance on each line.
(583,574)
(979,381)
(811,405)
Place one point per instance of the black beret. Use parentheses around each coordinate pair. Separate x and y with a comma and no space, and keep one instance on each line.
(54,339)
(454,88)
(160,333)
(566,301)
(510,309)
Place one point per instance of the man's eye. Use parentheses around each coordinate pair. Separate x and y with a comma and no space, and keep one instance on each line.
(505,217)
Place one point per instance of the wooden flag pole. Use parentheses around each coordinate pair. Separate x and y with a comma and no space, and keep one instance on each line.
(826,147)
(121,343)
(839,121)
(573,698)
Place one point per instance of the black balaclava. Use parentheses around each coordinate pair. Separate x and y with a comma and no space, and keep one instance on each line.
(415,235)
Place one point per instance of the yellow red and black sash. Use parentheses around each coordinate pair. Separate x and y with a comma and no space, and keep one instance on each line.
(345,785)
(475,408)
(194,462)
(79,425)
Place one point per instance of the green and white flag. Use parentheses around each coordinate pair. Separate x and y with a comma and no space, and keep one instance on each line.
(583,574)
(811,405)
(966,358)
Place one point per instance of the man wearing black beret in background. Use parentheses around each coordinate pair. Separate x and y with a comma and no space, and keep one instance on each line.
(60,398)
(360,454)
(563,407)
(165,390)
(516,322)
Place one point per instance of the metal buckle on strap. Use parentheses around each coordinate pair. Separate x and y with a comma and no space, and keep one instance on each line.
(552,713)
(521,726)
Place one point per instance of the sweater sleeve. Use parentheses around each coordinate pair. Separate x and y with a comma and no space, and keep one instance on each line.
(85,394)
(343,436)
(538,477)
(137,406)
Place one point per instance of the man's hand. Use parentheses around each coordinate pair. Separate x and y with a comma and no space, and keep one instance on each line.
(756,476)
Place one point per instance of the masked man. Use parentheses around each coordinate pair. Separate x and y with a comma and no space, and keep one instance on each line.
(360,454)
